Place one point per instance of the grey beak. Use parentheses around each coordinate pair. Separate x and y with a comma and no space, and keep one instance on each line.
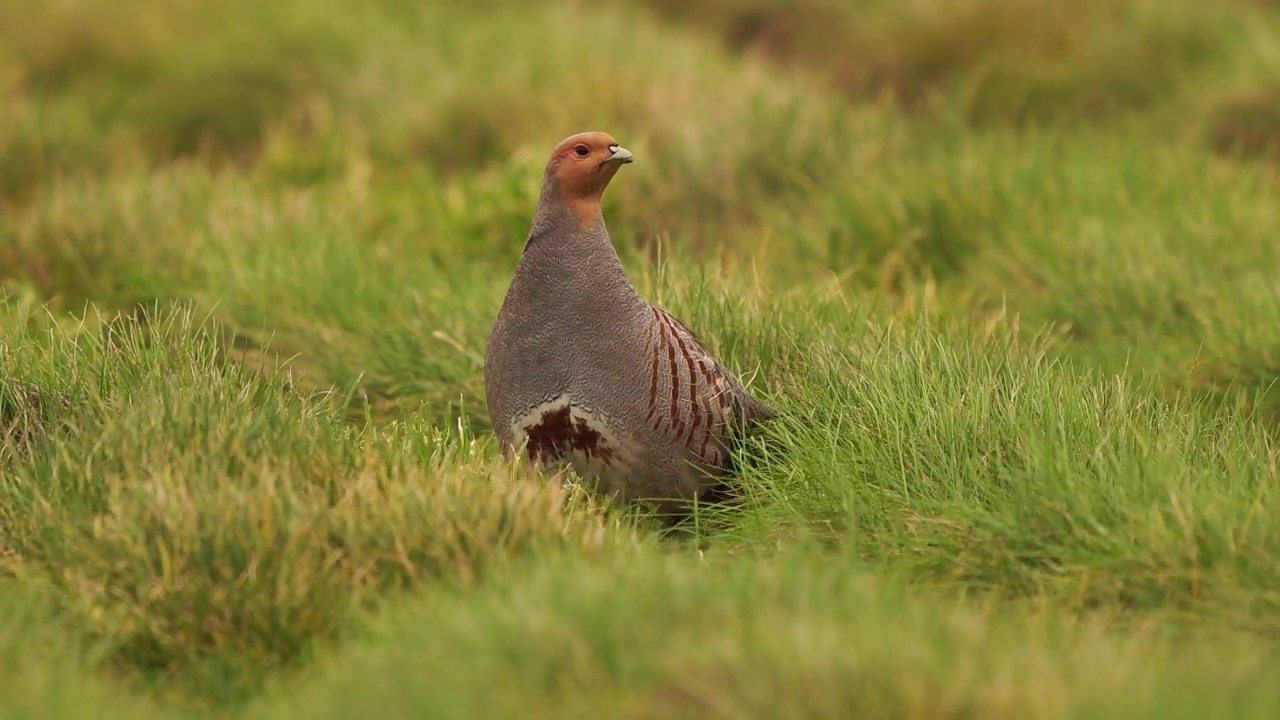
(620,155)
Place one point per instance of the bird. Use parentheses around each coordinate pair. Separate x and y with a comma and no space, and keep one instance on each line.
(581,372)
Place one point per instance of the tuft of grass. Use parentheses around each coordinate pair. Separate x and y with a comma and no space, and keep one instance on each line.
(204,521)
(801,635)
(1014,474)
(42,673)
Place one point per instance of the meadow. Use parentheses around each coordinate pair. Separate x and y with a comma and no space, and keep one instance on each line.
(1008,269)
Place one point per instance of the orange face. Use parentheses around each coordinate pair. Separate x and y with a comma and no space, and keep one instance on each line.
(583,165)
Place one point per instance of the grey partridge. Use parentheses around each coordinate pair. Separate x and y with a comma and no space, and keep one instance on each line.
(581,371)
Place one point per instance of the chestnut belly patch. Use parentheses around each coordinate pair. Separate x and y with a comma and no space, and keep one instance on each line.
(559,431)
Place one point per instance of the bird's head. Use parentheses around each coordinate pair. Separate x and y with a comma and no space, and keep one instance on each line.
(581,167)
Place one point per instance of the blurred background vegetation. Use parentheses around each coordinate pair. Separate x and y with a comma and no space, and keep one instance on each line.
(87,82)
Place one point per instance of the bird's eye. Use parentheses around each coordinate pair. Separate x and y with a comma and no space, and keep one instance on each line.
(582,150)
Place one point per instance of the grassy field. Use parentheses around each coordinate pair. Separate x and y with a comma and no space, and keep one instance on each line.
(1009,269)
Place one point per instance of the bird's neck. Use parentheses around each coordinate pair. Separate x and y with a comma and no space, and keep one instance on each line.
(568,259)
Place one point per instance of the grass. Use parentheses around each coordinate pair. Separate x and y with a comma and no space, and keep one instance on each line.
(822,639)
(1008,270)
